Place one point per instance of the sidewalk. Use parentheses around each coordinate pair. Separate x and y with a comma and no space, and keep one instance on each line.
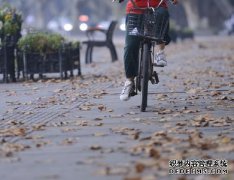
(79,129)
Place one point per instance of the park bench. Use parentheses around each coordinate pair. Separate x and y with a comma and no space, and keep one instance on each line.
(107,42)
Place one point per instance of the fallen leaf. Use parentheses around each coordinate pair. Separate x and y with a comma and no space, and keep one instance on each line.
(226,140)
(95,147)
(139,167)
(98,124)
(27,112)
(98,119)
(102,107)
(14,147)
(223,98)
(13,132)
(152,152)
(133,178)
(39,127)
(68,141)
(85,108)
(99,134)
(215,93)
(58,90)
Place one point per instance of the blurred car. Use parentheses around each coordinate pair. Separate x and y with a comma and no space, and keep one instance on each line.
(122,24)
(60,25)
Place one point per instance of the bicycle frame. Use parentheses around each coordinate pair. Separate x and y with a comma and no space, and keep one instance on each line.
(146,71)
(148,19)
(145,68)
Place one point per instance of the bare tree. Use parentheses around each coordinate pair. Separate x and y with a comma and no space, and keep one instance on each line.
(193,10)
(197,11)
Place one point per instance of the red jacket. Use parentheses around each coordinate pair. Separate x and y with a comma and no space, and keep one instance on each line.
(143,3)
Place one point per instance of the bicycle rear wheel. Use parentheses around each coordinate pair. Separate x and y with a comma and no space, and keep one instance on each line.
(145,75)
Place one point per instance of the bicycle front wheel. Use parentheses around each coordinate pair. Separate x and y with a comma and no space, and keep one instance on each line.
(145,75)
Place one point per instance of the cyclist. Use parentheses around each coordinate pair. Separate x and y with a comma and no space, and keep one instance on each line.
(132,44)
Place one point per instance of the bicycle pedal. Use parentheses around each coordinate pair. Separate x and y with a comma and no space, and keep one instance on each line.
(133,93)
(139,88)
(152,81)
(155,78)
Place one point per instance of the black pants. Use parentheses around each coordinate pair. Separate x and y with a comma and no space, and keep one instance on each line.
(132,45)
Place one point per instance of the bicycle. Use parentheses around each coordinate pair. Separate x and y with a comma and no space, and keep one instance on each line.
(151,28)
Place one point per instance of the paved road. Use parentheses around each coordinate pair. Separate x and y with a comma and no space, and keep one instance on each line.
(78,129)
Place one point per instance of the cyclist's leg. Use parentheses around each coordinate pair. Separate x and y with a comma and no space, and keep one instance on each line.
(164,16)
(131,53)
(160,58)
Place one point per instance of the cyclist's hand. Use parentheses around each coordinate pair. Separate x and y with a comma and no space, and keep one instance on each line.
(174,1)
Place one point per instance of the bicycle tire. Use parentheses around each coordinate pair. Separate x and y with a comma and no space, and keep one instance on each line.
(145,76)
(139,76)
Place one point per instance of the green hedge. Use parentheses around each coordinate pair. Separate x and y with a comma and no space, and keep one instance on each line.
(41,42)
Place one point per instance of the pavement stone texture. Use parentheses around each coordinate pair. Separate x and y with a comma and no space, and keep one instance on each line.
(56,129)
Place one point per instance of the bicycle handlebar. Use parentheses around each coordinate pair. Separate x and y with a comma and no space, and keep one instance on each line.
(148,6)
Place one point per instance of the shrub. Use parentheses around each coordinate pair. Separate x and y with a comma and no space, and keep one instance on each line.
(41,43)
(75,44)
(187,33)
(10,21)
(54,42)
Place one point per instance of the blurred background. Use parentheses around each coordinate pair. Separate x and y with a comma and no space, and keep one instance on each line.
(75,16)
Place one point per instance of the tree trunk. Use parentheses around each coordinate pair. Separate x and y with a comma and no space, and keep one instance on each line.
(191,9)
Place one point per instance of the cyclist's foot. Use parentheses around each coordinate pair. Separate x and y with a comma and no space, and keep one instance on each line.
(160,59)
(127,90)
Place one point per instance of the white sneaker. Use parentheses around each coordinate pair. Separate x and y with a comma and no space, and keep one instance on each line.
(127,90)
(160,59)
